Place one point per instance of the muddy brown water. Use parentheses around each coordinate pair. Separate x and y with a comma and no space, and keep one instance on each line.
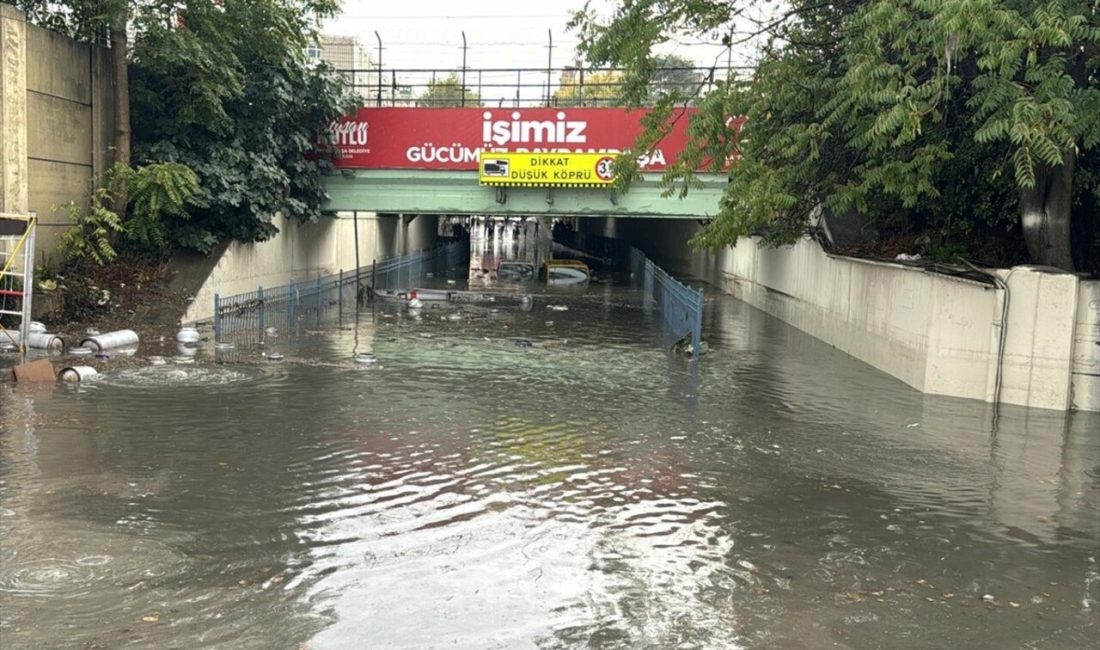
(587,490)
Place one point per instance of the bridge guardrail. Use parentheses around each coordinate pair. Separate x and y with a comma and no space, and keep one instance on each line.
(299,301)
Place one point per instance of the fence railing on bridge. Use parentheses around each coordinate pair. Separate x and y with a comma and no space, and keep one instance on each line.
(316,301)
(523,87)
(681,307)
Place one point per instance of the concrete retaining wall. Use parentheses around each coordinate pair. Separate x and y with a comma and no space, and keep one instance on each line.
(57,117)
(939,334)
(304,251)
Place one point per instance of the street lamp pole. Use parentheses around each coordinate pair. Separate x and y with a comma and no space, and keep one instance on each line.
(462,90)
(379,98)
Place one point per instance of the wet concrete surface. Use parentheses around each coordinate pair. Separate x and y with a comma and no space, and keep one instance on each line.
(588,489)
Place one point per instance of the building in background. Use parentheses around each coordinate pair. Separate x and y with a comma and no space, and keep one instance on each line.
(351,59)
(356,63)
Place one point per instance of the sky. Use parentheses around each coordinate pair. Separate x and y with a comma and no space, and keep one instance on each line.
(428,33)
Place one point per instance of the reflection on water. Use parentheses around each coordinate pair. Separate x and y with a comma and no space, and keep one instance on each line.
(587,489)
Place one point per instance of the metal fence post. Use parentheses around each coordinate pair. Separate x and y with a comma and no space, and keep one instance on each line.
(263,304)
(217,317)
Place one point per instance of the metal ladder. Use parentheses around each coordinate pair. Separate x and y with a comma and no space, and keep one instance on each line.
(17,234)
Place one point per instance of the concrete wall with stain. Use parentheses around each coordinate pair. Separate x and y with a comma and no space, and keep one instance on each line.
(1036,344)
(304,251)
(57,117)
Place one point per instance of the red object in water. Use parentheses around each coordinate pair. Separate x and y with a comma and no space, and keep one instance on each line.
(8,292)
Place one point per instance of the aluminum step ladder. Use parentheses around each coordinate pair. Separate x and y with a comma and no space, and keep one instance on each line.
(17,234)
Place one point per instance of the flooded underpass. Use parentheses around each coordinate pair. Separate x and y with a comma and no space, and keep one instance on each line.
(544,476)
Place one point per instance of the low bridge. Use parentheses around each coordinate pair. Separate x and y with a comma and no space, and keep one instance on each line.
(411,160)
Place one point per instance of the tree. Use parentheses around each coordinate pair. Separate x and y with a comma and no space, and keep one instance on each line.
(223,87)
(675,74)
(886,107)
(448,91)
(599,88)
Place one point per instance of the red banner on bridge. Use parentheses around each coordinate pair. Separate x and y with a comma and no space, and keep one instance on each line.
(452,138)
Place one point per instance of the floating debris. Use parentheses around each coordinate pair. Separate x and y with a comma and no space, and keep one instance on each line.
(116,339)
(77,374)
(557,307)
(365,358)
(157,360)
(188,335)
(271,331)
(80,351)
(524,343)
(275,356)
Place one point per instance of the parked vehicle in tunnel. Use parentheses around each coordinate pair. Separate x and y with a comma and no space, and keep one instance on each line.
(566,272)
(515,270)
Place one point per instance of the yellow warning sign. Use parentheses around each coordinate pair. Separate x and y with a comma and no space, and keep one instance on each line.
(515,169)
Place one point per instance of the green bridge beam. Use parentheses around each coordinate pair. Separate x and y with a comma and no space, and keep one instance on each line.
(410,191)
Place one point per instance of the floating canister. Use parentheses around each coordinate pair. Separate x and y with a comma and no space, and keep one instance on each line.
(37,340)
(187,335)
(37,326)
(116,339)
(77,374)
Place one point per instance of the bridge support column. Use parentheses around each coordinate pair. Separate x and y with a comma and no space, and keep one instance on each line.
(545,244)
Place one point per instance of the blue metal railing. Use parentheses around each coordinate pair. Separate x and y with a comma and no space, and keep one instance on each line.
(318,299)
(681,306)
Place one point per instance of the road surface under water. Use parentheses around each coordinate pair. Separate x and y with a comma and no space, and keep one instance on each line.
(544,478)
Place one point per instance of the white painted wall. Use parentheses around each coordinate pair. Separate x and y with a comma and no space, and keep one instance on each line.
(937,333)
(304,251)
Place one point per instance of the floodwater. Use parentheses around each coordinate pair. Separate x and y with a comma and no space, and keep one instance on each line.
(547,479)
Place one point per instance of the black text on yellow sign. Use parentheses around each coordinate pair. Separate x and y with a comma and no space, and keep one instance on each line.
(545,169)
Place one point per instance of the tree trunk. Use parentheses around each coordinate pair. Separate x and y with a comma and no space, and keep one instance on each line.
(1045,214)
(119,45)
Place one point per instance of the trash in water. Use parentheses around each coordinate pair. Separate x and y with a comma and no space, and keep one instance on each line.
(103,356)
(80,351)
(365,358)
(557,307)
(187,335)
(275,356)
(523,343)
(415,303)
(271,331)
(187,349)
(157,361)
(37,326)
(988,598)
(37,340)
(454,316)
(116,339)
(549,323)
(183,359)
(450,281)
(91,331)
(77,374)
